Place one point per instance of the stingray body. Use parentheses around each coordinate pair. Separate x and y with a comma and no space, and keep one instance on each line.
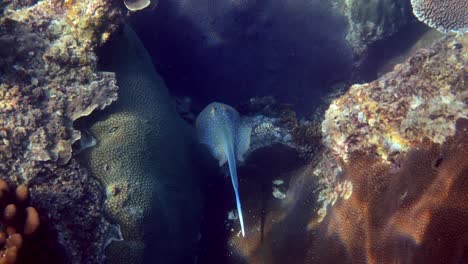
(219,126)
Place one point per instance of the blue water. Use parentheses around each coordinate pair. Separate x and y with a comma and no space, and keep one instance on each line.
(231,51)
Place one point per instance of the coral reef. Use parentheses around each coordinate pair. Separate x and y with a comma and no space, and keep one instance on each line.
(24,238)
(48,80)
(350,204)
(275,123)
(276,228)
(143,157)
(413,215)
(15,230)
(418,101)
(442,15)
(49,77)
(372,20)
(72,202)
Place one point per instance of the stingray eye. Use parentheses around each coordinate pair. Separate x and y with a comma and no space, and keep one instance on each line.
(213,110)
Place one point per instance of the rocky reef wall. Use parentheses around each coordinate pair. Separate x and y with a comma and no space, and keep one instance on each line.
(373,20)
(48,80)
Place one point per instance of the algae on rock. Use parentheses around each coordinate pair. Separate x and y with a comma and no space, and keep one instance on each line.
(420,100)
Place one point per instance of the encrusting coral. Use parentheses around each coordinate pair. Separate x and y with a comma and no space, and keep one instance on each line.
(416,214)
(400,141)
(419,100)
(48,79)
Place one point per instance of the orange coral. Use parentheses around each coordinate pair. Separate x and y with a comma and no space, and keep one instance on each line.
(415,215)
(24,237)
(17,225)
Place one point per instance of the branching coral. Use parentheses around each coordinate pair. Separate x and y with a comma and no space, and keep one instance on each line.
(14,230)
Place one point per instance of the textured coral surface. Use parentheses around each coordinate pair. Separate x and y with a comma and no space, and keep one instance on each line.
(351,205)
(414,214)
(444,15)
(274,124)
(144,160)
(419,100)
(48,79)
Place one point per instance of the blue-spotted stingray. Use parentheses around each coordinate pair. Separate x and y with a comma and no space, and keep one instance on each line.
(220,127)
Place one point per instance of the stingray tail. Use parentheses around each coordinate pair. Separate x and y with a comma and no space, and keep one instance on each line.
(235,184)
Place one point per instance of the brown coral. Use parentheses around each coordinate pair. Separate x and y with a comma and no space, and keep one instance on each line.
(353,205)
(443,15)
(414,214)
